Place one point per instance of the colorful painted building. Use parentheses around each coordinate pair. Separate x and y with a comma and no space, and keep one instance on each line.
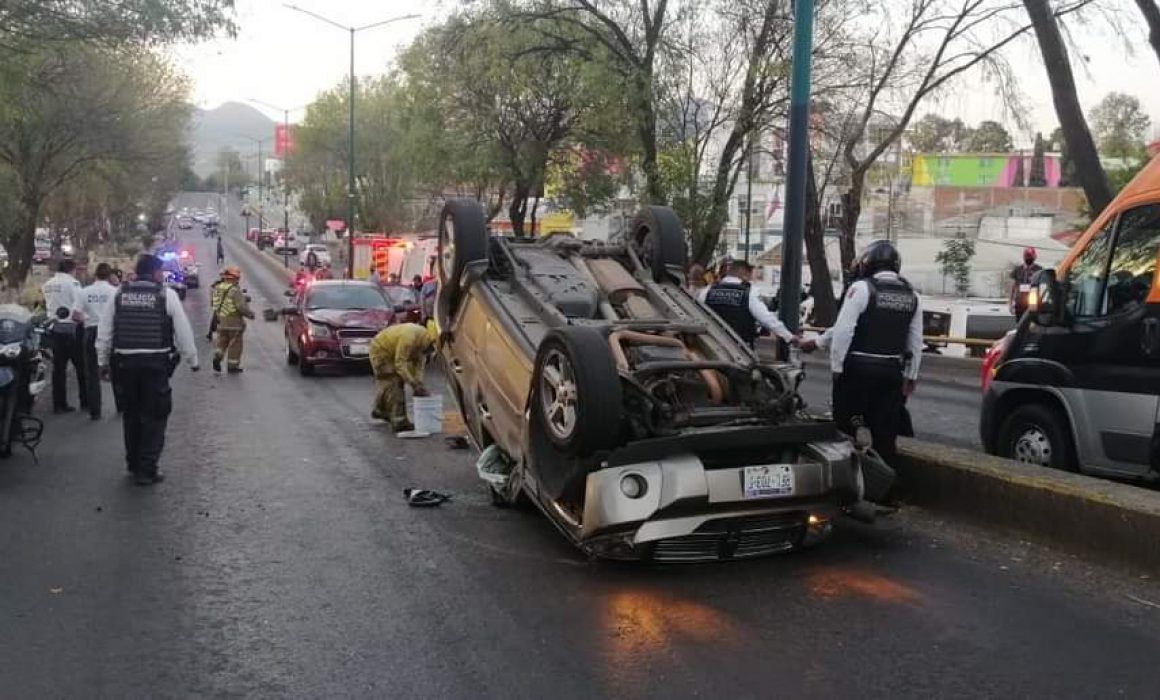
(979,169)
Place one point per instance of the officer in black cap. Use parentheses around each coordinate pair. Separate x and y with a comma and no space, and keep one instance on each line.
(730,298)
(145,332)
(876,348)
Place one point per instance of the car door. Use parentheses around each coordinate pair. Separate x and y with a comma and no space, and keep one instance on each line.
(1112,347)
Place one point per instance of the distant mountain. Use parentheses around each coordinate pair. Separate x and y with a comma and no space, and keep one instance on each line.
(227,126)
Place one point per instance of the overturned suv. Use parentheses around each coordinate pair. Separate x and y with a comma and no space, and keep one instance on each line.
(632,416)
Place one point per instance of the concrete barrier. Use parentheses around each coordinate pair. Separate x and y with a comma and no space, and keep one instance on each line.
(1097,518)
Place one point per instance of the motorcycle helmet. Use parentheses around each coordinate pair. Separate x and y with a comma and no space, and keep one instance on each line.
(880,256)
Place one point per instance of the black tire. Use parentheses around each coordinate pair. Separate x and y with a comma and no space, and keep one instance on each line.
(462,241)
(659,241)
(291,356)
(305,367)
(596,408)
(1037,429)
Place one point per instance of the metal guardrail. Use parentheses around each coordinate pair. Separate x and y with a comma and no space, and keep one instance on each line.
(940,339)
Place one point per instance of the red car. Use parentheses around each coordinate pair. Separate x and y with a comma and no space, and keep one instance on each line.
(331,322)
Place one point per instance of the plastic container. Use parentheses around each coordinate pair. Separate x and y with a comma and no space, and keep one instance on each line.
(428,414)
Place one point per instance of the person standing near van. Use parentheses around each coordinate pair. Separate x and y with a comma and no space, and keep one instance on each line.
(62,303)
(1022,278)
(876,348)
(95,302)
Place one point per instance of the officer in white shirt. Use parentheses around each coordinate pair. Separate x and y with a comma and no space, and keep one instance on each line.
(62,303)
(875,348)
(732,300)
(143,332)
(95,302)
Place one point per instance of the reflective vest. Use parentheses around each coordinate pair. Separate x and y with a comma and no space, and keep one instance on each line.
(730,301)
(141,320)
(222,301)
(884,327)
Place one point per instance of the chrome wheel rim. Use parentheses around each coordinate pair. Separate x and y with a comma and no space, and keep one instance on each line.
(558,395)
(447,248)
(1033,447)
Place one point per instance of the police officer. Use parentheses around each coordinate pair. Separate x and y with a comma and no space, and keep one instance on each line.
(730,299)
(95,301)
(62,303)
(145,332)
(876,348)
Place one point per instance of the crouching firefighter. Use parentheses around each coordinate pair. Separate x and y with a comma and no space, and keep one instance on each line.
(875,352)
(398,357)
(230,311)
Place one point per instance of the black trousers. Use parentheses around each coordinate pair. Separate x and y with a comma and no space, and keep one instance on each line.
(92,373)
(66,348)
(873,399)
(144,383)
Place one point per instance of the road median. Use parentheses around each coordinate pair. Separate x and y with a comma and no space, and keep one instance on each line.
(1093,517)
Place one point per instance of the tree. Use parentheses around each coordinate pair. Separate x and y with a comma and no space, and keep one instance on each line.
(897,61)
(230,170)
(955,261)
(1080,146)
(135,112)
(988,137)
(136,21)
(1066,164)
(935,134)
(1019,178)
(1151,13)
(1119,125)
(1038,176)
(631,35)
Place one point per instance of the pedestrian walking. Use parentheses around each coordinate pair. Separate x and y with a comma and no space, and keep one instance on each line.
(62,303)
(1022,278)
(221,253)
(145,333)
(230,311)
(95,302)
(398,357)
(876,349)
(373,276)
(730,299)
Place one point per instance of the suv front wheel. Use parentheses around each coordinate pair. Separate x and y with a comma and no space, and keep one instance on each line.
(1037,434)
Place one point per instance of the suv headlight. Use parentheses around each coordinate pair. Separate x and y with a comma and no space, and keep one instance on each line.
(319,330)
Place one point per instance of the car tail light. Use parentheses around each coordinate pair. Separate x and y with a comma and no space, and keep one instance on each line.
(992,358)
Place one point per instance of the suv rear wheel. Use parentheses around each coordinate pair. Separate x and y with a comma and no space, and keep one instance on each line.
(462,241)
(576,394)
(1037,434)
(659,241)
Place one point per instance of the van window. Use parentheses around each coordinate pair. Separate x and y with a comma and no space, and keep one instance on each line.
(1085,278)
(1134,259)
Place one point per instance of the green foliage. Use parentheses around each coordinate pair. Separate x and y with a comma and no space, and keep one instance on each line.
(133,21)
(935,134)
(955,262)
(988,137)
(1119,125)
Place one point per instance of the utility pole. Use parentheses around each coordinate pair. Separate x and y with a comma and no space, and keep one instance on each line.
(350,178)
(796,175)
(748,194)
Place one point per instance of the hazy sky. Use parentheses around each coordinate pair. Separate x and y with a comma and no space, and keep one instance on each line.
(286,58)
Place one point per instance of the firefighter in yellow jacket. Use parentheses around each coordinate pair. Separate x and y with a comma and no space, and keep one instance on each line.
(230,311)
(398,357)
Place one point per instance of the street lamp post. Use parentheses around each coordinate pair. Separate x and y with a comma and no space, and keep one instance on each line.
(261,200)
(285,152)
(350,180)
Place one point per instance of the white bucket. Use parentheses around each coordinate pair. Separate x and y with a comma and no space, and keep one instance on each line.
(428,412)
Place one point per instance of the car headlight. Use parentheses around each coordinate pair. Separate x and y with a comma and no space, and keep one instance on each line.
(319,330)
(10,350)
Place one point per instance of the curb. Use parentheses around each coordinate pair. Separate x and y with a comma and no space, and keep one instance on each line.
(1093,517)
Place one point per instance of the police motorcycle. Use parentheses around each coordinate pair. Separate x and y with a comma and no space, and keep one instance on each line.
(23,376)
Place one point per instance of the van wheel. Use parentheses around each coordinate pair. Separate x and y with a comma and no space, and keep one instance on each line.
(659,241)
(1037,434)
(576,393)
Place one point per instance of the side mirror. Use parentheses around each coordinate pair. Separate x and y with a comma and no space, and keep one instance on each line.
(289,310)
(1047,302)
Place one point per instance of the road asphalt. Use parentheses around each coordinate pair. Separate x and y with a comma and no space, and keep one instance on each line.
(280,560)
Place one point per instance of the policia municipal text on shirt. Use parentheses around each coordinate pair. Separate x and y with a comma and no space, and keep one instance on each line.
(732,300)
(145,333)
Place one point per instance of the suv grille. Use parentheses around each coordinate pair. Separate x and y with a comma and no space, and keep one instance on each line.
(734,539)
(348,333)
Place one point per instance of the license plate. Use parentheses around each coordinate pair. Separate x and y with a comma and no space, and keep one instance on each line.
(358,350)
(767,481)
